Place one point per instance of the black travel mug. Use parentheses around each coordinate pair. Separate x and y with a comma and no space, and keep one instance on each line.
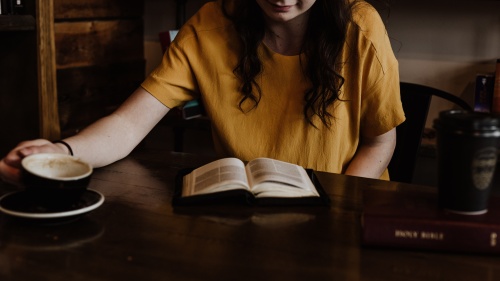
(467,152)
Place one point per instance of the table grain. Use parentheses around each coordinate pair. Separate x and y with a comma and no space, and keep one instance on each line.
(137,235)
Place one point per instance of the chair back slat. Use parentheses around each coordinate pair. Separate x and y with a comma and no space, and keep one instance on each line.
(416,101)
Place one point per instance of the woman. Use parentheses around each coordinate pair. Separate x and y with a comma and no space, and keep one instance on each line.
(312,82)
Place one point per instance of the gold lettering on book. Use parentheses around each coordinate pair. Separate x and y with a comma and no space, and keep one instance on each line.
(412,234)
(405,234)
(432,235)
(493,239)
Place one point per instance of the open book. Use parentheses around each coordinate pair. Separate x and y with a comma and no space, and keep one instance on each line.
(260,181)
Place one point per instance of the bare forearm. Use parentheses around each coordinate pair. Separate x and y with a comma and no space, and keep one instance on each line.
(115,136)
(105,141)
(373,156)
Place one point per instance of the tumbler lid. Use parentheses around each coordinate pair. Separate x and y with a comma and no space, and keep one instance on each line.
(467,121)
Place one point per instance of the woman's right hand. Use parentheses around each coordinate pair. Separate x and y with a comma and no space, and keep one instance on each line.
(10,165)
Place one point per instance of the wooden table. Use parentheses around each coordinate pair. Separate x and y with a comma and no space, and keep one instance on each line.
(137,235)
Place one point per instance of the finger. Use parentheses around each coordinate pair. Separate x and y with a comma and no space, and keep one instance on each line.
(25,144)
(14,157)
(36,142)
(10,174)
(45,148)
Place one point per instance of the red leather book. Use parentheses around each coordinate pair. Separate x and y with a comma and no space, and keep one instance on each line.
(412,220)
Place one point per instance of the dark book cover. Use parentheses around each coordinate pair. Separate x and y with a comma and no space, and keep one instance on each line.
(244,197)
(496,89)
(483,94)
(11,7)
(413,220)
(5,8)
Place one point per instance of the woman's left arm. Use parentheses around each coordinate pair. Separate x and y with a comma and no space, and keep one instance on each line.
(373,155)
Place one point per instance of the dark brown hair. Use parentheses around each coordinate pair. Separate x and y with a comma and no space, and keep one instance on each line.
(321,48)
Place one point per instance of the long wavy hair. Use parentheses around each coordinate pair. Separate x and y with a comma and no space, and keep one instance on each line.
(323,43)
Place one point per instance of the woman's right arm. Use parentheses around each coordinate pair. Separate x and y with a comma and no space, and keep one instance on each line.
(103,142)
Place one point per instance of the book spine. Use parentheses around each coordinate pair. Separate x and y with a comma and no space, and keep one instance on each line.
(18,7)
(8,7)
(430,235)
(483,96)
(4,9)
(496,90)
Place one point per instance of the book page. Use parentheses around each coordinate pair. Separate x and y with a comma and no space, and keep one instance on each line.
(274,178)
(220,175)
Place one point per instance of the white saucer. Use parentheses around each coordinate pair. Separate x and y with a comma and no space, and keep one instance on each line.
(19,204)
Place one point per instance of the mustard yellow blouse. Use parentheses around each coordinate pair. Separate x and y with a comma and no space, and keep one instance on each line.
(200,63)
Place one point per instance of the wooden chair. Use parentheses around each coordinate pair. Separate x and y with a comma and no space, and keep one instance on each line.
(416,100)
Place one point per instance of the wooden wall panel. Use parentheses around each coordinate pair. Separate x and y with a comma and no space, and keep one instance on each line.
(99,57)
(98,42)
(91,92)
(81,9)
